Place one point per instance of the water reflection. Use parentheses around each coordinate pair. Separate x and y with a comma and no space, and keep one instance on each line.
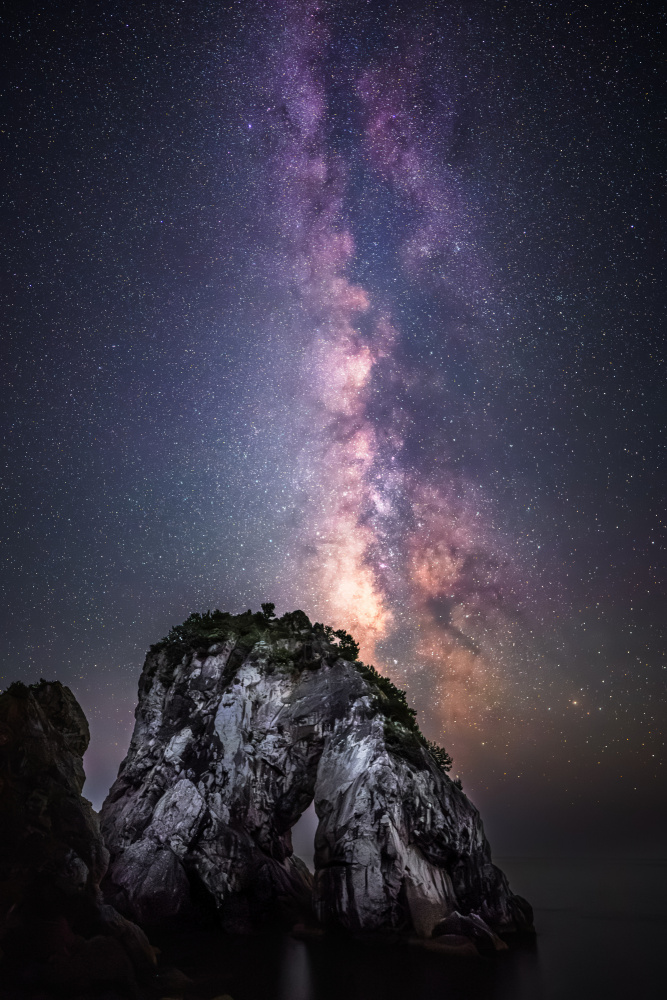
(601,928)
(331,970)
(296,980)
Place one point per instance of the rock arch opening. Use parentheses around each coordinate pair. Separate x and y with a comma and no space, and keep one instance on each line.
(303,837)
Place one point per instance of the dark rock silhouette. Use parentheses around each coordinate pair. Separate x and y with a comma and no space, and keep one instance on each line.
(56,931)
(235,737)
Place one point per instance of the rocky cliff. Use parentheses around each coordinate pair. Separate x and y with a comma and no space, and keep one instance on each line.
(56,931)
(242,722)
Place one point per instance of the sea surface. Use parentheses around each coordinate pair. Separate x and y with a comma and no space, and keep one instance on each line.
(601,933)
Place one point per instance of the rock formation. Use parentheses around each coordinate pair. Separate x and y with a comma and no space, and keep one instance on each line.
(242,722)
(56,932)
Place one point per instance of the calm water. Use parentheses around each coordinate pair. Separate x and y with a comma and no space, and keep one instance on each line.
(601,934)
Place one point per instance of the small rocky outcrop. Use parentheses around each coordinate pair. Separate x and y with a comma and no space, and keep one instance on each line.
(242,722)
(56,932)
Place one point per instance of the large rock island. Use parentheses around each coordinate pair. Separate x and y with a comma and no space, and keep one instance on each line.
(245,720)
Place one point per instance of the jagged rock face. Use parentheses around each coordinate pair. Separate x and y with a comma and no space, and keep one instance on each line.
(47,826)
(230,747)
(53,920)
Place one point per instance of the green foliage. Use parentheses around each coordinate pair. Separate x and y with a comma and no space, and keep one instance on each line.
(295,621)
(402,736)
(249,638)
(18,690)
(411,744)
(440,756)
(201,631)
(348,648)
(404,743)
(394,703)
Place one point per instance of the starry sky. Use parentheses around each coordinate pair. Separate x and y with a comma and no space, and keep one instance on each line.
(355,307)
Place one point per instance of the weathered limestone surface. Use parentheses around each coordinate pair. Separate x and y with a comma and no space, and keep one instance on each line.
(56,931)
(230,747)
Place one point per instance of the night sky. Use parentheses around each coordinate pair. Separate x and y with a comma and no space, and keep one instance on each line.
(354,307)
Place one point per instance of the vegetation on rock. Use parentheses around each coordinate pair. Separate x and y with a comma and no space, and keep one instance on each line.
(200,631)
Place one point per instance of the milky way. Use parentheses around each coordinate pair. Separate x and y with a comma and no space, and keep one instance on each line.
(357,309)
(389,548)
